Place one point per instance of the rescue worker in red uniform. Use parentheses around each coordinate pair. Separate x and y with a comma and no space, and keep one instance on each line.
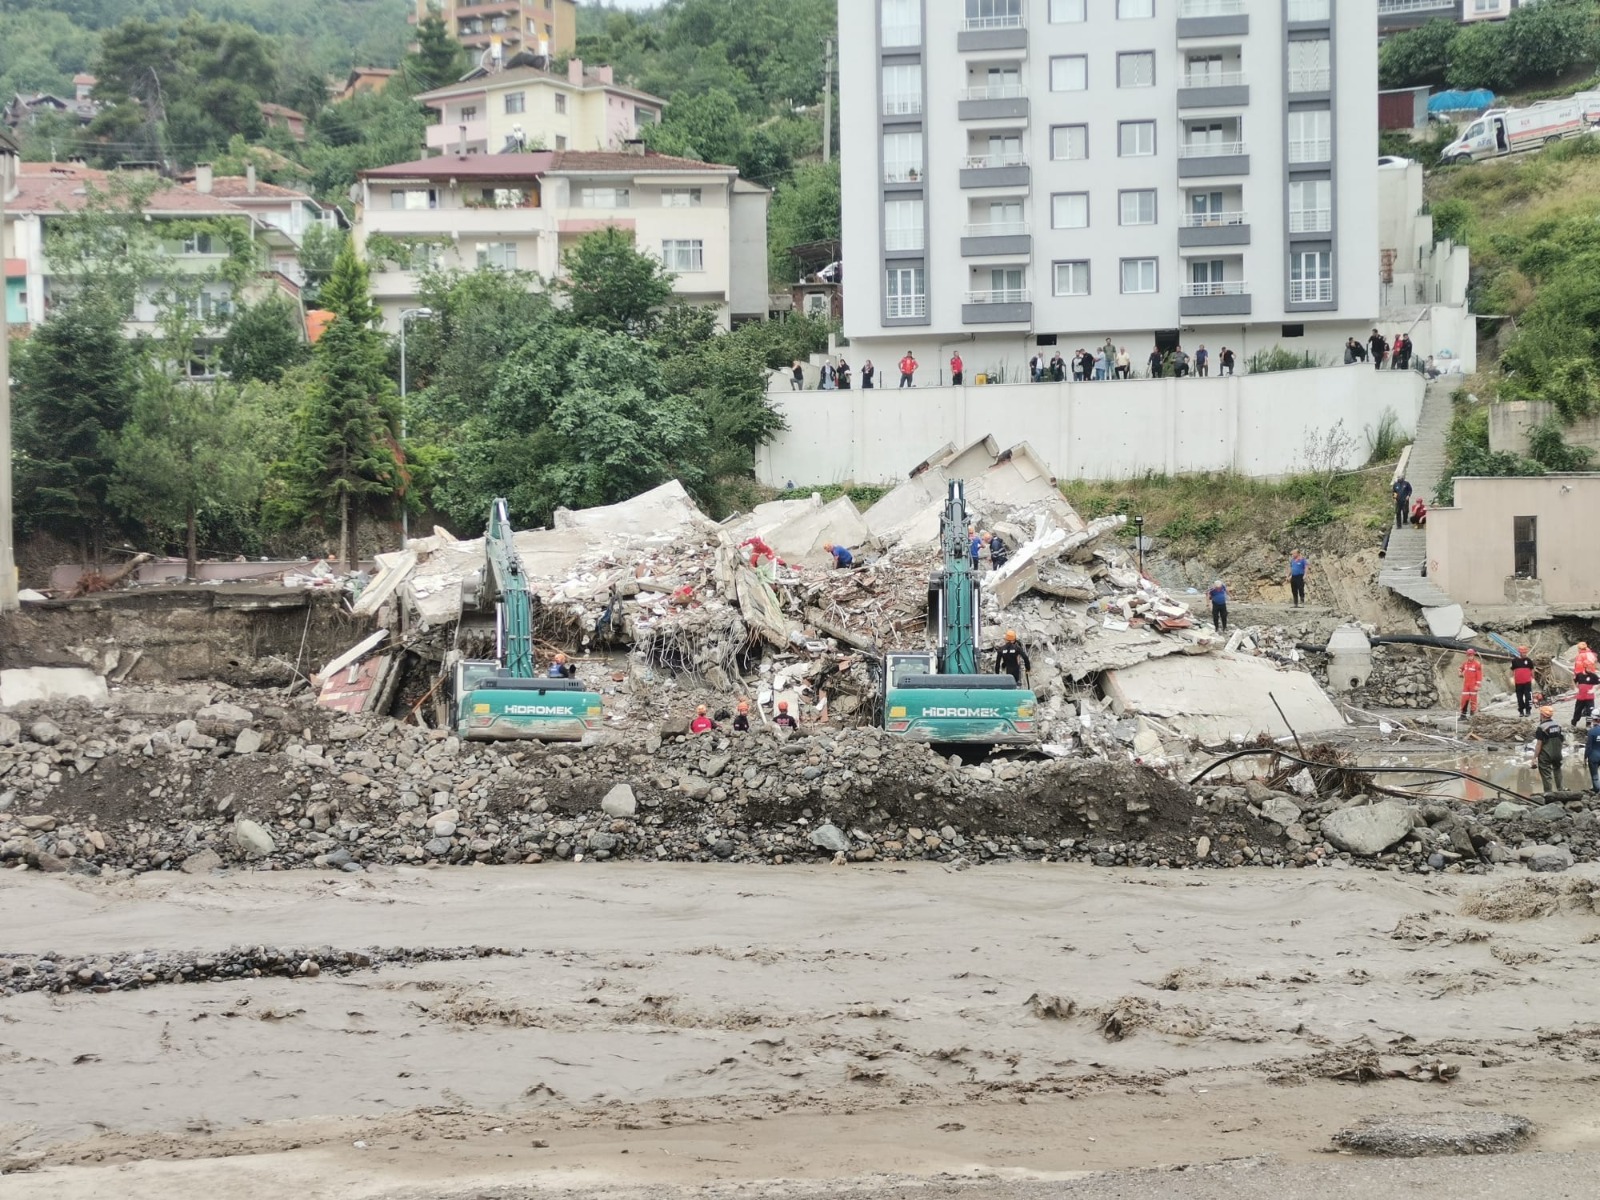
(1522,680)
(701,722)
(1471,681)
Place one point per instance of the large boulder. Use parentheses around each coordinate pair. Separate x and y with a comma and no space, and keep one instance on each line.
(251,840)
(1367,829)
(223,720)
(620,802)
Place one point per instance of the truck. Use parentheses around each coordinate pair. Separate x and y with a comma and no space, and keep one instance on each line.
(942,695)
(505,698)
(1501,131)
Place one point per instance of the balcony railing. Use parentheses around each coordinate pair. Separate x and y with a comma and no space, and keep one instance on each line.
(1208,79)
(999,296)
(1005,21)
(1210,8)
(1388,8)
(1227,287)
(902,35)
(1314,10)
(902,172)
(1310,220)
(902,106)
(996,229)
(1210,149)
(1214,220)
(999,91)
(982,162)
(1308,150)
(1316,79)
(905,306)
(1309,291)
(901,240)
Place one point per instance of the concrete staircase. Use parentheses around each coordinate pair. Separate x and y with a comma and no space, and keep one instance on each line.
(1408,547)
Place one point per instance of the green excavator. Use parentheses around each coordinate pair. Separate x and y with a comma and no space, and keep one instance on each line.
(943,695)
(505,698)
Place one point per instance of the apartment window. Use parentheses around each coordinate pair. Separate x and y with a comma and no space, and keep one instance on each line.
(1072,278)
(1312,10)
(1487,6)
(1310,135)
(1005,150)
(1311,277)
(902,157)
(905,292)
(561,141)
(644,116)
(1138,276)
(994,14)
(1309,65)
(502,256)
(1136,139)
(497,24)
(1002,82)
(1525,547)
(902,89)
(1069,142)
(1005,217)
(1202,70)
(561,102)
(1069,73)
(902,22)
(1205,205)
(1136,69)
(1069,210)
(609,197)
(1206,277)
(1311,206)
(1005,285)
(469,112)
(516,102)
(1135,10)
(680,197)
(505,197)
(197,243)
(1137,207)
(683,255)
(903,225)
(209,308)
(1064,12)
(413,198)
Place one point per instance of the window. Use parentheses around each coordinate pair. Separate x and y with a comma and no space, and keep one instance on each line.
(209,308)
(903,225)
(505,197)
(1138,276)
(1005,285)
(1003,82)
(902,157)
(1310,135)
(1066,11)
(1309,63)
(683,255)
(1137,207)
(1136,139)
(644,116)
(197,243)
(1311,277)
(905,293)
(413,198)
(1311,206)
(902,22)
(1005,150)
(1135,10)
(1069,73)
(1069,142)
(1069,210)
(1311,10)
(1525,547)
(561,102)
(502,256)
(1206,278)
(1005,217)
(1072,278)
(680,197)
(994,14)
(469,112)
(516,102)
(609,197)
(561,141)
(1203,70)
(902,89)
(1136,69)
(497,24)
(1294,331)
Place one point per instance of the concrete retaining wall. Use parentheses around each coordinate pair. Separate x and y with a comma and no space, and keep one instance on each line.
(1255,425)
(1510,422)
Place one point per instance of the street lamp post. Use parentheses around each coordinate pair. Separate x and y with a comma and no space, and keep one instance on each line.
(421,314)
(1138,542)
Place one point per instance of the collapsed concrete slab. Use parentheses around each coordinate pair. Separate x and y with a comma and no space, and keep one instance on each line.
(23,685)
(1218,697)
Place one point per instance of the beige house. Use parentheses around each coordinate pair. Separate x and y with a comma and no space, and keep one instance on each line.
(522,212)
(545,27)
(527,108)
(1524,541)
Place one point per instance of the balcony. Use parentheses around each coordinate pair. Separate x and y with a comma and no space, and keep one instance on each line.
(902,37)
(1229,298)
(904,308)
(1004,101)
(992,33)
(1310,151)
(1402,8)
(1010,238)
(903,173)
(1198,230)
(1311,220)
(1214,89)
(1312,80)
(1320,12)
(995,170)
(1004,306)
(1202,160)
(448,135)
(902,108)
(1311,291)
(1212,18)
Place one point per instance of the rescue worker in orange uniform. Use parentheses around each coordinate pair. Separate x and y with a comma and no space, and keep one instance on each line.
(1471,681)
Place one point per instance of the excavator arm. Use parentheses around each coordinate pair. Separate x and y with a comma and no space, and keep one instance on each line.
(514,607)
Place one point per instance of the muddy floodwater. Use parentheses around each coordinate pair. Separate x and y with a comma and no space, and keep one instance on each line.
(669,1027)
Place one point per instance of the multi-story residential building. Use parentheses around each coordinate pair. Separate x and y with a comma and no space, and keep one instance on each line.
(288,212)
(1396,15)
(490,112)
(524,211)
(1021,173)
(548,28)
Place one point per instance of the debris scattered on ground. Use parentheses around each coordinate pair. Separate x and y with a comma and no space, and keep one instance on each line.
(1414,1136)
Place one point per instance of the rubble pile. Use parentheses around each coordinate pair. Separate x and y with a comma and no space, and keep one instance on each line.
(161,783)
(1402,677)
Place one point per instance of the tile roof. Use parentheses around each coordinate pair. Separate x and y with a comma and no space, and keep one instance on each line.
(52,187)
(469,166)
(616,160)
(237,188)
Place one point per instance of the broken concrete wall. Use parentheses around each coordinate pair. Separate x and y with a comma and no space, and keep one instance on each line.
(1219,697)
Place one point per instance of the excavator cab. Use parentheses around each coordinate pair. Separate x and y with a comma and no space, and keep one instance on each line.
(494,705)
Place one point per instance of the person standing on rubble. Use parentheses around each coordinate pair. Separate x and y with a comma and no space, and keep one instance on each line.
(1549,740)
(1297,577)
(1591,753)
(741,719)
(1583,704)
(1522,680)
(783,720)
(1471,682)
(998,550)
(701,723)
(1012,658)
(1219,606)
(560,668)
(975,547)
(841,556)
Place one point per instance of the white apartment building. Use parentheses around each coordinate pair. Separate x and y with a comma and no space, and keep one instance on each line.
(1020,173)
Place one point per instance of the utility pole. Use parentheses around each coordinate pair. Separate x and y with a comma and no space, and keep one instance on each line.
(827,100)
(8,570)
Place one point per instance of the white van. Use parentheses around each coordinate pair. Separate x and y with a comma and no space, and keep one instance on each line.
(1507,130)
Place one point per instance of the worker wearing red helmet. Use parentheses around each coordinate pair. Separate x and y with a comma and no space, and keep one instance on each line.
(783,720)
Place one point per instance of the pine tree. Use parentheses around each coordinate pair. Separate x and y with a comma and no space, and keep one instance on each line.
(439,58)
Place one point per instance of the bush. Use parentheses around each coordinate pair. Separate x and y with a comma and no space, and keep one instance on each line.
(1279,359)
(1384,442)
(1451,220)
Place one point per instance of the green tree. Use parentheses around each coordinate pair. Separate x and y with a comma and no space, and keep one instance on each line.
(263,341)
(1480,58)
(611,286)
(1415,57)
(439,59)
(803,210)
(708,126)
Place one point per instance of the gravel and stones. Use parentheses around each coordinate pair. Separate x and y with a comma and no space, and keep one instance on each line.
(1398,1136)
